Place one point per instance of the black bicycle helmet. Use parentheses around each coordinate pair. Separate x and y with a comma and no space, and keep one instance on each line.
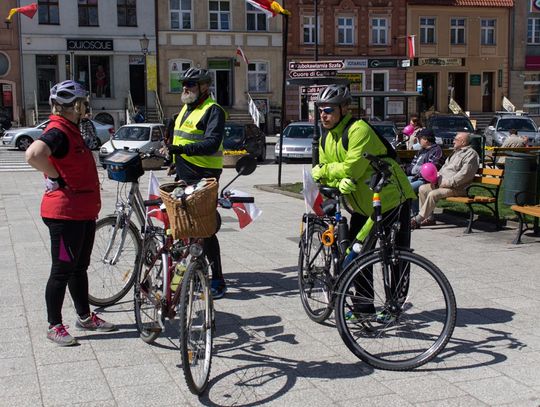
(196,74)
(334,95)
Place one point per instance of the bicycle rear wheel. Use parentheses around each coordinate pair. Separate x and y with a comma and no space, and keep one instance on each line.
(148,292)
(314,279)
(110,279)
(196,327)
(414,314)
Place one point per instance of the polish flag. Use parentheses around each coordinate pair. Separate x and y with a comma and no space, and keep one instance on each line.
(410,46)
(246,212)
(153,193)
(240,52)
(312,196)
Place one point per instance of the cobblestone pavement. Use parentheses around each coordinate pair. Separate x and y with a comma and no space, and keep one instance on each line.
(267,352)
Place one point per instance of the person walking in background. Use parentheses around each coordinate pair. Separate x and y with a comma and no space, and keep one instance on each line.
(411,131)
(138,116)
(69,208)
(197,150)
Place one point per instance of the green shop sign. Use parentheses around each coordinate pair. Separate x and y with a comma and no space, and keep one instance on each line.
(475,80)
(219,64)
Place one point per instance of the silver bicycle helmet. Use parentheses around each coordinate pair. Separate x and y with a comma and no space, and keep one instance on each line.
(334,95)
(67,92)
(196,75)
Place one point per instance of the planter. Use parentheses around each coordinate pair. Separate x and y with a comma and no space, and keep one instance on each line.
(229,161)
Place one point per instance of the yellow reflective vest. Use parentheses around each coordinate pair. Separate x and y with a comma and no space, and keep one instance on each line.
(187,132)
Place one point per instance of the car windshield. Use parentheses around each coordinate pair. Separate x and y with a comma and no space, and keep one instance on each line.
(518,124)
(386,130)
(233,138)
(132,134)
(298,132)
(452,124)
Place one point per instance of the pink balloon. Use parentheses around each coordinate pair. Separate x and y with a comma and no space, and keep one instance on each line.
(429,172)
(408,130)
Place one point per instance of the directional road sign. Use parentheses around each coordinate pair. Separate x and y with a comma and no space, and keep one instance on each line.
(316,66)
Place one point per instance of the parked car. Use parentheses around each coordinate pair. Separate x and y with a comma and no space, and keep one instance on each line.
(248,136)
(387,129)
(140,136)
(446,126)
(22,137)
(297,141)
(499,127)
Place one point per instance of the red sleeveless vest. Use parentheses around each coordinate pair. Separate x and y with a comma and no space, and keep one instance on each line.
(80,199)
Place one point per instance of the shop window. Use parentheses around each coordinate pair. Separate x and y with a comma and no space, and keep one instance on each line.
(533,31)
(88,13)
(379,31)
(257,77)
(308,29)
(427,30)
(531,97)
(487,32)
(220,15)
(48,12)
(175,67)
(256,19)
(180,14)
(345,30)
(94,72)
(457,31)
(127,13)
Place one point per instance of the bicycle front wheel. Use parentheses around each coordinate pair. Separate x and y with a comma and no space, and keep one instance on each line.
(314,279)
(196,327)
(111,270)
(395,316)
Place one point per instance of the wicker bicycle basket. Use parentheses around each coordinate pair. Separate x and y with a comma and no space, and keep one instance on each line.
(194,216)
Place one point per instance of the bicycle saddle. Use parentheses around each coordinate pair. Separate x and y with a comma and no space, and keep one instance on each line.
(329,192)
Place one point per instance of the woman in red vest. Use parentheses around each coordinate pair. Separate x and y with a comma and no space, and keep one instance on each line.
(69,208)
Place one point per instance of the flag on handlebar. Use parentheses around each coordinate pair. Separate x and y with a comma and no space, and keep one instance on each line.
(246,212)
(312,196)
(153,193)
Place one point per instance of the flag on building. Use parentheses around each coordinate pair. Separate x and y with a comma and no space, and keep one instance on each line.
(246,212)
(312,196)
(240,53)
(153,193)
(29,11)
(411,51)
(270,7)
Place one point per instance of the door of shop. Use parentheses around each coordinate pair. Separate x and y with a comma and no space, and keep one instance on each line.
(487,92)
(222,83)
(379,84)
(136,84)
(428,99)
(457,88)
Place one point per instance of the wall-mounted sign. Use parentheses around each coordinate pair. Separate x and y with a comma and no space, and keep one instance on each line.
(475,80)
(311,74)
(85,44)
(383,63)
(316,66)
(355,63)
(441,61)
(419,85)
(535,6)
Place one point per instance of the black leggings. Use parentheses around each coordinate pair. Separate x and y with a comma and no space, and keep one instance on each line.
(71,247)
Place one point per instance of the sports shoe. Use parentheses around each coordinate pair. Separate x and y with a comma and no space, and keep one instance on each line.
(94,323)
(59,335)
(218,289)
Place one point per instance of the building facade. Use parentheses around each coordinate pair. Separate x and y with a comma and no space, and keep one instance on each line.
(10,67)
(95,43)
(462,52)
(207,34)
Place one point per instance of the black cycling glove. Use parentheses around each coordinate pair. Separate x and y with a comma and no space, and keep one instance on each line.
(175,149)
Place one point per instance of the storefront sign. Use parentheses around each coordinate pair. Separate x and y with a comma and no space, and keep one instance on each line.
(355,64)
(85,44)
(311,74)
(441,61)
(316,66)
(383,63)
(475,80)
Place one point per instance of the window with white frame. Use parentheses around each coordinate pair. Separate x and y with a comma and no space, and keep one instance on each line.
(487,32)
(345,30)
(379,31)
(258,77)
(533,31)
(457,31)
(308,29)
(427,30)
(181,14)
(219,12)
(256,20)
(175,67)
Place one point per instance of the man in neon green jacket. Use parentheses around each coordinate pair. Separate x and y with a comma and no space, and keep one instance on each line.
(342,165)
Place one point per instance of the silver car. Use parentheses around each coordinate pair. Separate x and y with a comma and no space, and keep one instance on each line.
(22,137)
(297,141)
(500,126)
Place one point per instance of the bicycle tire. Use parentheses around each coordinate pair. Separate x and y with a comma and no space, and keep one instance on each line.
(196,327)
(314,279)
(147,293)
(107,283)
(422,326)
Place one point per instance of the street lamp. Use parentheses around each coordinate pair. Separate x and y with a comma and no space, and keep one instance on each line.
(144,48)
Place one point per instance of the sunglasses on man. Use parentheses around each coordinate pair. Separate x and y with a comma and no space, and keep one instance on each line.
(326,110)
(189,84)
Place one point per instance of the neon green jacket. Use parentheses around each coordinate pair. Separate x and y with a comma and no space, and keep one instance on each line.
(341,163)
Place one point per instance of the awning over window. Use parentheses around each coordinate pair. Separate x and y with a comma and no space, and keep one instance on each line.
(532,62)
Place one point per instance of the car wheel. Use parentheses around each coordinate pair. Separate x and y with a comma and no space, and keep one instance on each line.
(262,157)
(23,142)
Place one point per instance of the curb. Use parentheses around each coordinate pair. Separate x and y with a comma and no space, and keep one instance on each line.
(274,189)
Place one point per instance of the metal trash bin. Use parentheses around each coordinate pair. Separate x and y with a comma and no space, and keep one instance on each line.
(478,143)
(520,174)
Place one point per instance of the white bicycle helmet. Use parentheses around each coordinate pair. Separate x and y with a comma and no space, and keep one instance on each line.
(334,95)
(67,92)
(196,75)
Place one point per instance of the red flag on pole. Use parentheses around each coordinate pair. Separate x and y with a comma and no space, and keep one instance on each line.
(410,46)
(153,193)
(312,196)
(29,11)
(240,52)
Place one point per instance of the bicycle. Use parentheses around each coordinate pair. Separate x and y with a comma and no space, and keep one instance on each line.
(159,294)
(397,333)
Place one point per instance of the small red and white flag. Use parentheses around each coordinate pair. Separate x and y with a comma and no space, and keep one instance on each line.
(411,51)
(240,53)
(312,196)
(246,212)
(271,7)
(153,193)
